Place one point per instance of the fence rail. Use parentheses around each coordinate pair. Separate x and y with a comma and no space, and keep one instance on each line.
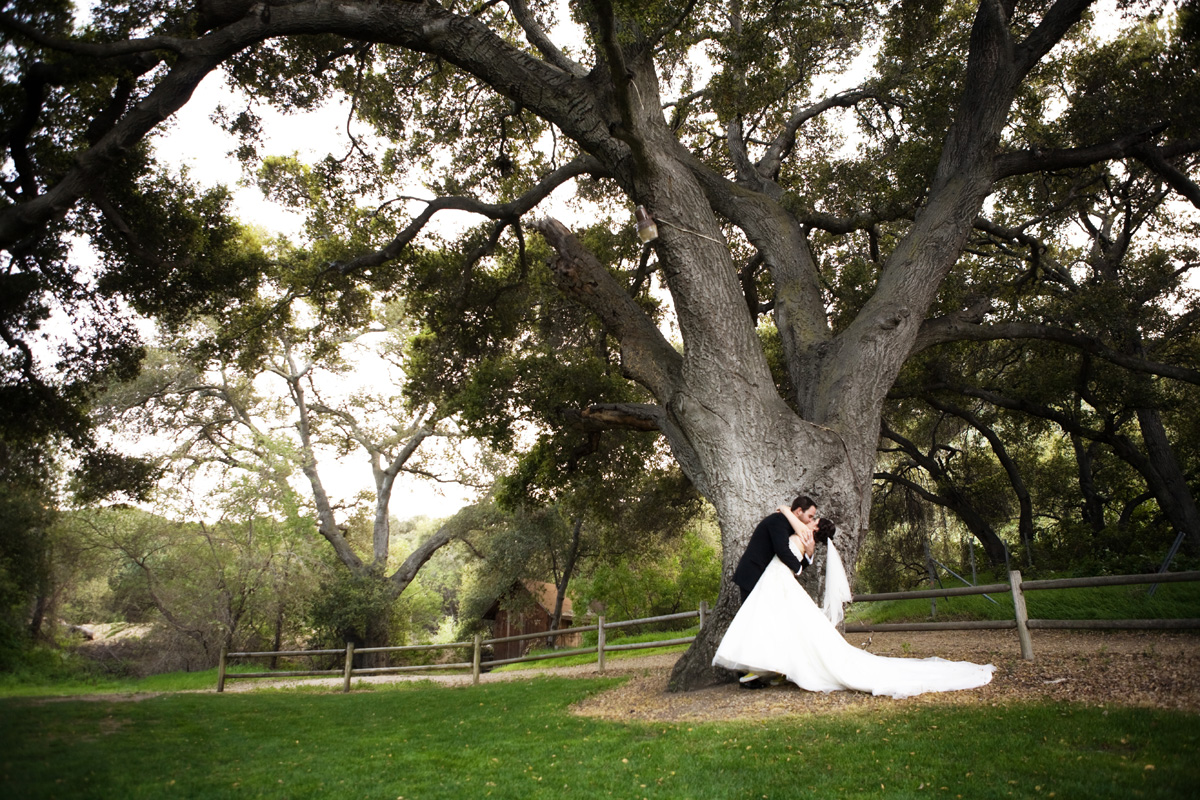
(1016,586)
(476,664)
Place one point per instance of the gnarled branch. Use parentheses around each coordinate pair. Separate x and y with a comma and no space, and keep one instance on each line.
(646,355)
(958,328)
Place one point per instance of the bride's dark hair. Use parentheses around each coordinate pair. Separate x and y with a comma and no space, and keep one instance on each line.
(825,530)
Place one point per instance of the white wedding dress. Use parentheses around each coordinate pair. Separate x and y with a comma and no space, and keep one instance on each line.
(780,629)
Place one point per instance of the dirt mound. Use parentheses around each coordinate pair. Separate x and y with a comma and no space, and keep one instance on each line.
(133,650)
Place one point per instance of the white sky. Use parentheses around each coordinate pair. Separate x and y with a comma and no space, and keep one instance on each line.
(194,141)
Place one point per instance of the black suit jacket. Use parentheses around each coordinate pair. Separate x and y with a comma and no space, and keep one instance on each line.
(770,539)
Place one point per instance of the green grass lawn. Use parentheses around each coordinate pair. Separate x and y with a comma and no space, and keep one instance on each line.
(36,685)
(518,740)
(1170,601)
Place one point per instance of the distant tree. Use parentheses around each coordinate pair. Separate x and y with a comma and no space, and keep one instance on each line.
(1114,376)
(615,510)
(272,404)
(671,578)
(603,500)
(26,513)
(234,583)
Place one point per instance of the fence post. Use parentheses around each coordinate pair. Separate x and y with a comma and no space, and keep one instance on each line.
(933,579)
(349,666)
(221,669)
(600,641)
(1014,580)
(475,659)
(703,612)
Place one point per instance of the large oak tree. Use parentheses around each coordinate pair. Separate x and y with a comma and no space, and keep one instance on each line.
(737,168)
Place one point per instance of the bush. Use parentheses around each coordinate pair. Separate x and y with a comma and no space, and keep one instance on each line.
(676,581)
(361,609)
(42,664)
(351,608)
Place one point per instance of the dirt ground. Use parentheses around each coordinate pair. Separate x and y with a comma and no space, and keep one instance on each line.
(1158,670)
(1117,668)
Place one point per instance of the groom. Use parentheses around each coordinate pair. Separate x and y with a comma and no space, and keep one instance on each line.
(770,539)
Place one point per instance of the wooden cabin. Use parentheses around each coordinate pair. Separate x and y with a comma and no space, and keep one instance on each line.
(528,607)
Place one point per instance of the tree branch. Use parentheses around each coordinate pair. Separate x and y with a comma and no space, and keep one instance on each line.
(908,483)
(617,416)
(1065,421)
(94,49)
(630,129)
(1027,161)
(646,356)
(506,212)
(464,522)
(173,91)
(1049,32)
(780,237)
(1025,521)
(1177,179)
(958,328)
(405,573)
(538,38)
(558,97)
(768,166)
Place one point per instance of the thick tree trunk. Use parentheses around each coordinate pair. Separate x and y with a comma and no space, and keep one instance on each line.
(1092,507)
(756,459)
(1171,488)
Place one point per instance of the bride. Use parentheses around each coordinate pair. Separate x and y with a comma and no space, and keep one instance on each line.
(780,629)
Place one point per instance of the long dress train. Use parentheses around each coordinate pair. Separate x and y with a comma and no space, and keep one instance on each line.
(780,629)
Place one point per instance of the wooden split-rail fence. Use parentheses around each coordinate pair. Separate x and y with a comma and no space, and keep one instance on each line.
(1016,586)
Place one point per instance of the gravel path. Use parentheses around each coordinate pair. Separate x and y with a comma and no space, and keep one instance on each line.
(1119,668)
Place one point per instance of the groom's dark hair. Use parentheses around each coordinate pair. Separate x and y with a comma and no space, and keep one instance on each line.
(802,502)
(825,530)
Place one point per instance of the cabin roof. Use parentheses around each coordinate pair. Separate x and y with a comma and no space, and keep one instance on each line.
(546,594)
(543,593)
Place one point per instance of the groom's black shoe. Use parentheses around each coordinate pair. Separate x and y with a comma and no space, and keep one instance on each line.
(752,681)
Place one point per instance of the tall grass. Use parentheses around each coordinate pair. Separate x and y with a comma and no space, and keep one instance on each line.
(518,740)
